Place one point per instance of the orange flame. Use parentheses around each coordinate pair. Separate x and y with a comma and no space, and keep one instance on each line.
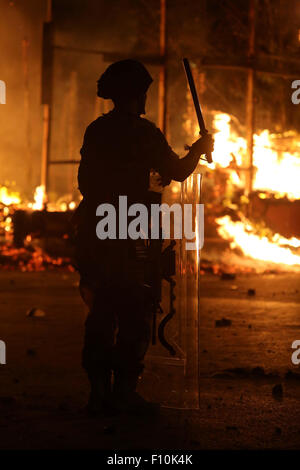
(276,167)
(39,198)
(8,197)
(242,234)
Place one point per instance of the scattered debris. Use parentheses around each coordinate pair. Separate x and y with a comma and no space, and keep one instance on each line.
(228,276)
(290,375)
(108,430)
(31,352)
(8,401)
(222,375)
(239,371)
(277,392)
(223,322)
(258,371)
(232,428)
(63,406)
(245,373)
(35,312)
(195,443)
(31,259)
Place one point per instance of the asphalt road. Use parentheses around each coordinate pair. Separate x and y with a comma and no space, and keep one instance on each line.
(43,389)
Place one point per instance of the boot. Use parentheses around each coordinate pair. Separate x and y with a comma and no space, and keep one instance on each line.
(100,394)
(126,399)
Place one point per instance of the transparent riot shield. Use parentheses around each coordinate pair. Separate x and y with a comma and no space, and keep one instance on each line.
(171,374)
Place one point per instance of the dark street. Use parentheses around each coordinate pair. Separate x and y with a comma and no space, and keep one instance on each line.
(44,391)
(149,229)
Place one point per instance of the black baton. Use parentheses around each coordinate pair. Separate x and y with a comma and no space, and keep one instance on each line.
(190,79)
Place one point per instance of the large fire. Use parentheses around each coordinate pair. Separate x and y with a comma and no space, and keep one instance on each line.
(39,198)
(242,234)
(8,197)
(276,171)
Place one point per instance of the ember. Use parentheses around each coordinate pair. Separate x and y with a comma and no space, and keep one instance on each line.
(30,259)
(31,256)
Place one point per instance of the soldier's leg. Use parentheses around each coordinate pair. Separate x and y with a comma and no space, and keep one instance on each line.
(134,321)
(98,346)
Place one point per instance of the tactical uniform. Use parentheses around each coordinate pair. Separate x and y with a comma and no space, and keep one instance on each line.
(119,150)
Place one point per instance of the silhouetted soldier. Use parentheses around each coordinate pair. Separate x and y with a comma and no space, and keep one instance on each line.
(119,150)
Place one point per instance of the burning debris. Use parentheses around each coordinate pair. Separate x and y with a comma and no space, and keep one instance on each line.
(261,228)
(275,181)
(276,170)
(275,250)
(23,224)
(31,259)
(35,312)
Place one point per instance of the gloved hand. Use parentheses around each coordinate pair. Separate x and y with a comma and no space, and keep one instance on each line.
(203,145)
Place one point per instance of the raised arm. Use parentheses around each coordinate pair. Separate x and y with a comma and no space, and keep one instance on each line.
(180,168)
(168,163)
